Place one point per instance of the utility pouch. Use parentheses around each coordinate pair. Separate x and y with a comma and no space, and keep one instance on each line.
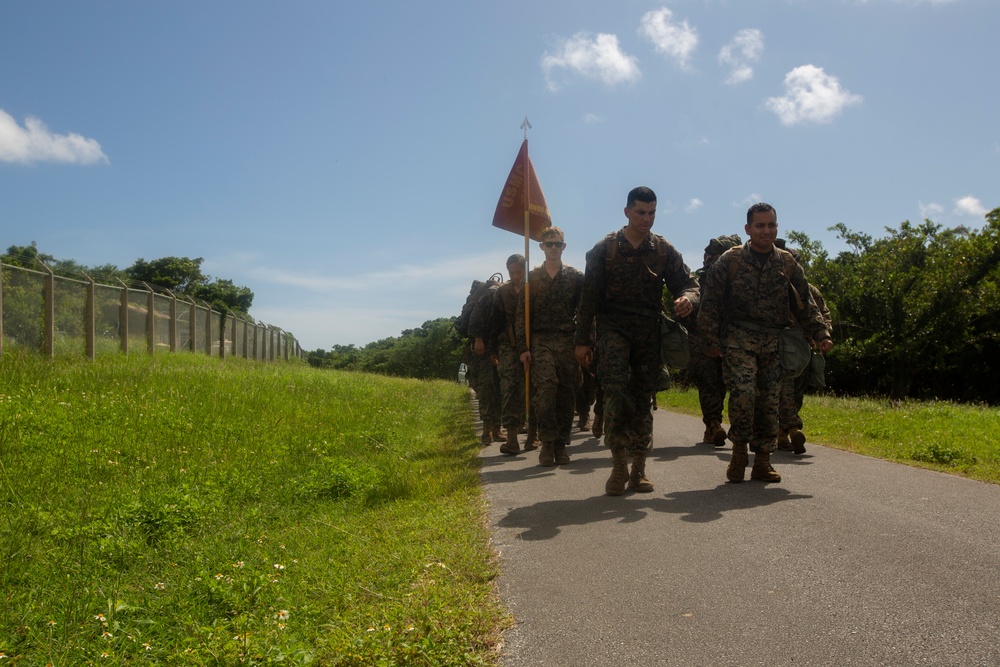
(817,371)
(675,350)
(794,350)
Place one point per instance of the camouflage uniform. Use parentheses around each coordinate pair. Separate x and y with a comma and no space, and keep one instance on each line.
(510,369)
(487,382)
(625,296)
(743,316)
(555,372)
(793,389)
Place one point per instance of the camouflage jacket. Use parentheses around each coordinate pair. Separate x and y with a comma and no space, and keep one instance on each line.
(631,281)
(554,302)
(481,323)
(757,295)
(505,302)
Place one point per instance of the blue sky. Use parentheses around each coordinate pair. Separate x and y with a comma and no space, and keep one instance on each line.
(343,159)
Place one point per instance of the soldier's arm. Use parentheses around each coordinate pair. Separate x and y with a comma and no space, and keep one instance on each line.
(590,294)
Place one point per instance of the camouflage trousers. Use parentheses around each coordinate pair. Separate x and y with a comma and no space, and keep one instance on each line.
(628,370)
(793,391)
(511,372)
(706,373)
(554,378)
(486,383)
(752,371)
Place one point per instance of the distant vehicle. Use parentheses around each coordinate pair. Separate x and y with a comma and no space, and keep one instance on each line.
(462,370)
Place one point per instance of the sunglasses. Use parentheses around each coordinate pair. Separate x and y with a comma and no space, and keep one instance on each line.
(553,244)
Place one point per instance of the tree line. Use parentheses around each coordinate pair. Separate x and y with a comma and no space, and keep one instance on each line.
(181,275)
(916,314)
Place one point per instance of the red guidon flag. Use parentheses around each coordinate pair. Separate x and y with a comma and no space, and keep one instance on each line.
(515,198)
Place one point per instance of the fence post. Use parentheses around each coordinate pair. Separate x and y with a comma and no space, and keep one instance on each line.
(123,317)
(90,320)
(192,325)
(150,324)
(246,337)
(49,305)
(174,343)
(222,334)
(208,329)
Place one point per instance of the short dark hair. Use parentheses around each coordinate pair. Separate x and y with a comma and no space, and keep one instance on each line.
(641,193)
(759,207)
(515,259)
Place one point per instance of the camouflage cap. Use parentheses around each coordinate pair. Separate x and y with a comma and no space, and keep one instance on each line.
(721,244)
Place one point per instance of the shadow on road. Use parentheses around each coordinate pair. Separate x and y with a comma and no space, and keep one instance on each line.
(544,520)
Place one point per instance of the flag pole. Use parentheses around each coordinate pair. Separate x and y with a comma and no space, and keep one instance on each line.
(527,265)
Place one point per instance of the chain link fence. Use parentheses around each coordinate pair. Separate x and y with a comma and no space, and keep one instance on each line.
(57,315)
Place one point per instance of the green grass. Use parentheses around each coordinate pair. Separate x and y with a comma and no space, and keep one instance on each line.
(950,437)
(189,511)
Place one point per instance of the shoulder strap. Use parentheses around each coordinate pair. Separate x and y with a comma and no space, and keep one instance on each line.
(789,263)
(611,247)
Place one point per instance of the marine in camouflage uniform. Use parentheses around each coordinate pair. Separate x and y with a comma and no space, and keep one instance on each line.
(483,367)
(703,370)
(504,347)
(746,302)
(623,291)
(554,294)
(793,390)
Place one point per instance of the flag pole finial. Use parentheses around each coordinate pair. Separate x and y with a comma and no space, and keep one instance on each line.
(525,126)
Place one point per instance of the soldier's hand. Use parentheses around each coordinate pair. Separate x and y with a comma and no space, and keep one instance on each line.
(479,347)
(825,345)
(584,355)
(682,307)
(526,359)
(495,359)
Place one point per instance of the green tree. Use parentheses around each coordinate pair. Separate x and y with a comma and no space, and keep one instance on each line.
(223,295)
(180,274)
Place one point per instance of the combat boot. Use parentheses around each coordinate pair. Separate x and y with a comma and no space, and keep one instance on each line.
(738,462)
(798,440)
(584,422)
(487,438)
(783,442)
(615,486)
(547,457)
(499,435)
(562,458)
(531,438)
(598,428)
(718,437)
(510,447)
(762,470)
(637,480)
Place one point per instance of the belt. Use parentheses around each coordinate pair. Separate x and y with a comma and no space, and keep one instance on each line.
(630,311)
(756,328)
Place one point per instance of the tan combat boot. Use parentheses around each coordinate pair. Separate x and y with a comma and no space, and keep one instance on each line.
(738,463)
(562,458)
(531,438)
(783,442)
(615,486)
(499,435)
(547,455)
(762,470)
(638,481)
(598,428)
(486,438)
(798,440)
(584,422)
(718,434)
(510,447)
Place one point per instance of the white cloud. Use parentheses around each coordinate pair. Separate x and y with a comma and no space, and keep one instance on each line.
(693,205)
(811,96)
(35,143)
(929,210)
(677,40)
(969,205)
(740,54)
(594,57)
(591,118)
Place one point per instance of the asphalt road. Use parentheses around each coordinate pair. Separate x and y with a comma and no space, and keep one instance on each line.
(848,561)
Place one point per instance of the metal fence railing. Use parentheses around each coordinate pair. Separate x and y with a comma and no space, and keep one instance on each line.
(54,314)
